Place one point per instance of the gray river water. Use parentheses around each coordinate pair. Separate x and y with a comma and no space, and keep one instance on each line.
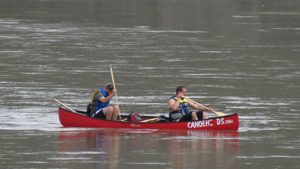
(235,56)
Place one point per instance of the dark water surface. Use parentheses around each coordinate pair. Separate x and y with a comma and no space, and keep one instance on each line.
(235,56)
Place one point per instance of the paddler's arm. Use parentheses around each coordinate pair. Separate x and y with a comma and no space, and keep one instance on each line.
(108,98)
(173,104)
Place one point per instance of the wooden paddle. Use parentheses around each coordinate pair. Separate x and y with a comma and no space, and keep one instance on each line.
(65,106)
(113,80)
(217,113)
(149,120)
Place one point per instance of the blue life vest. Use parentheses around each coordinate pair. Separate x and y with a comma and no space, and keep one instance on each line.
(183,106)
(98,104)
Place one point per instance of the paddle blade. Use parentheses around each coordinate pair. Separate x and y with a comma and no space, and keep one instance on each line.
(220,114)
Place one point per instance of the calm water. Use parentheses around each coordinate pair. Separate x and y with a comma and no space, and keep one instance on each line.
(235,56)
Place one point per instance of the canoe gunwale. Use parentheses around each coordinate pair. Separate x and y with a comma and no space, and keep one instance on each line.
(82,113)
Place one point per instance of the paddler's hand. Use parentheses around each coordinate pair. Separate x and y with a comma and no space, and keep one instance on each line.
(180,96)
(114,92)
(209,110)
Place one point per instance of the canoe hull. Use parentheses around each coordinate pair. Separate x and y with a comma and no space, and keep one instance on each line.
(70,119)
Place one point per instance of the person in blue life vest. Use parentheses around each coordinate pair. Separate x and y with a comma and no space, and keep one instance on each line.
(178,107)
(100,104)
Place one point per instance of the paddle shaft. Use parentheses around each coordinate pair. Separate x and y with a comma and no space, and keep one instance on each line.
(217,113)
(65,106)
(149,120)
(113,80)
(196,103)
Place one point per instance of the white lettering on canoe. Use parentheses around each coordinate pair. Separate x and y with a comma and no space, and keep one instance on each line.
(221,121)
(199,124)
(134,125)
(228,121)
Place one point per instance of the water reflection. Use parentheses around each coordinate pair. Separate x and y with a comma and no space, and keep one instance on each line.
(148,149)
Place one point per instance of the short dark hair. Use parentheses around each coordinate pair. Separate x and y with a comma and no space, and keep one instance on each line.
(179,89)
(110,87)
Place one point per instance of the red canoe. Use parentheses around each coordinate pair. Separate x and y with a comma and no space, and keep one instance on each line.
(79,119)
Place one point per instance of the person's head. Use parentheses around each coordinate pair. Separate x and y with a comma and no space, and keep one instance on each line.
(109,89)
(181,89)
